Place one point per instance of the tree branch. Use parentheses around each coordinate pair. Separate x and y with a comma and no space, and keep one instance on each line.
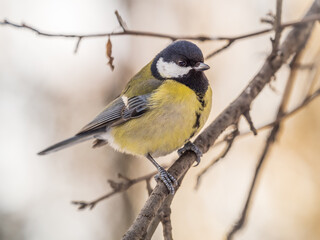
(164,214)
(247,116)
(228,117)
(163,211)
(230,137)
(269,142)
(117,187)
(158,204)
(277,28)
(272,136)
(127,32)
(285,115)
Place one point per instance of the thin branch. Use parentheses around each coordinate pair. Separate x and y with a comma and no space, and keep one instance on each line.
(227,118)
(147,178)
(285,115)
(307,67)
(314,81)
(315,78)
(230,137)
(275,51)
(120,21)
(77,45)
(271,138)
(229,43)
(125,31)
(239,224)
(277,27)
(231,40)
(305,102)
(117,187)
(247,116)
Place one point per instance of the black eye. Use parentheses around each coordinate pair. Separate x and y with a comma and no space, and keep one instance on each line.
(182,63)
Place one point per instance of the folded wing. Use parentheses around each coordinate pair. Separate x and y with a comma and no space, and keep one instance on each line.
(120,110)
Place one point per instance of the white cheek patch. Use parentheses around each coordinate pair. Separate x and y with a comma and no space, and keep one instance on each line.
(171,69)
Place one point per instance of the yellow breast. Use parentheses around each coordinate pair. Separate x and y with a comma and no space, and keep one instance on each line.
(175,115)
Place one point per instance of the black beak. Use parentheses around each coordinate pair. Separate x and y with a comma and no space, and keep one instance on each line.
(200,66)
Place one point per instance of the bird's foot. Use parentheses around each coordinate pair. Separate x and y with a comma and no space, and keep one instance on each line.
(189,146)
(167,179)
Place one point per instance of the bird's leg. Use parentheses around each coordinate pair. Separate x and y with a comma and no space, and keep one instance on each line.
(189,146)
(165,177)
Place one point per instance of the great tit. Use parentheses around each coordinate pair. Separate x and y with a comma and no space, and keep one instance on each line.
(160,109)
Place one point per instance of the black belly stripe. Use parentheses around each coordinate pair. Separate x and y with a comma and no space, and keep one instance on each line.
(191,136)
(196,125)
(202,102)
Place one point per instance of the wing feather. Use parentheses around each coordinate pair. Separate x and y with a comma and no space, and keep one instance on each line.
(136,107)
(118,112)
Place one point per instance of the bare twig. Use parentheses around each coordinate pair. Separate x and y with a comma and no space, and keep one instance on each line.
(271,138)
(285,115)
(277,27)
(229,43)
(77,45)
(314,81)
(158,198)
(306,66)
(117,187)
(247,116)
(120,21)
(128,32)
(314,73)
(275,52)
(231,40)
(228,117)
(229,137)
(239,224)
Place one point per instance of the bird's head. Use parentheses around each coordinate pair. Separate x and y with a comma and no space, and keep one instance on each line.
(178,60)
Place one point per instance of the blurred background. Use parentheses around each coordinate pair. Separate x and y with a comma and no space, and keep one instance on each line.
(48,93)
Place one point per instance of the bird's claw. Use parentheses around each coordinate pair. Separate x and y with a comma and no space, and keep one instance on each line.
(189,146)
(167,179)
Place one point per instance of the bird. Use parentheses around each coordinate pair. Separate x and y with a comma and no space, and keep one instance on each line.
(161,108)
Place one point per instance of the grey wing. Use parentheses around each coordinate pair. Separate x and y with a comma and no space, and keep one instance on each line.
(120,110)
(136,107)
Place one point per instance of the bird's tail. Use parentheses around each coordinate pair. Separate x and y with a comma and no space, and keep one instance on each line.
(66,143)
